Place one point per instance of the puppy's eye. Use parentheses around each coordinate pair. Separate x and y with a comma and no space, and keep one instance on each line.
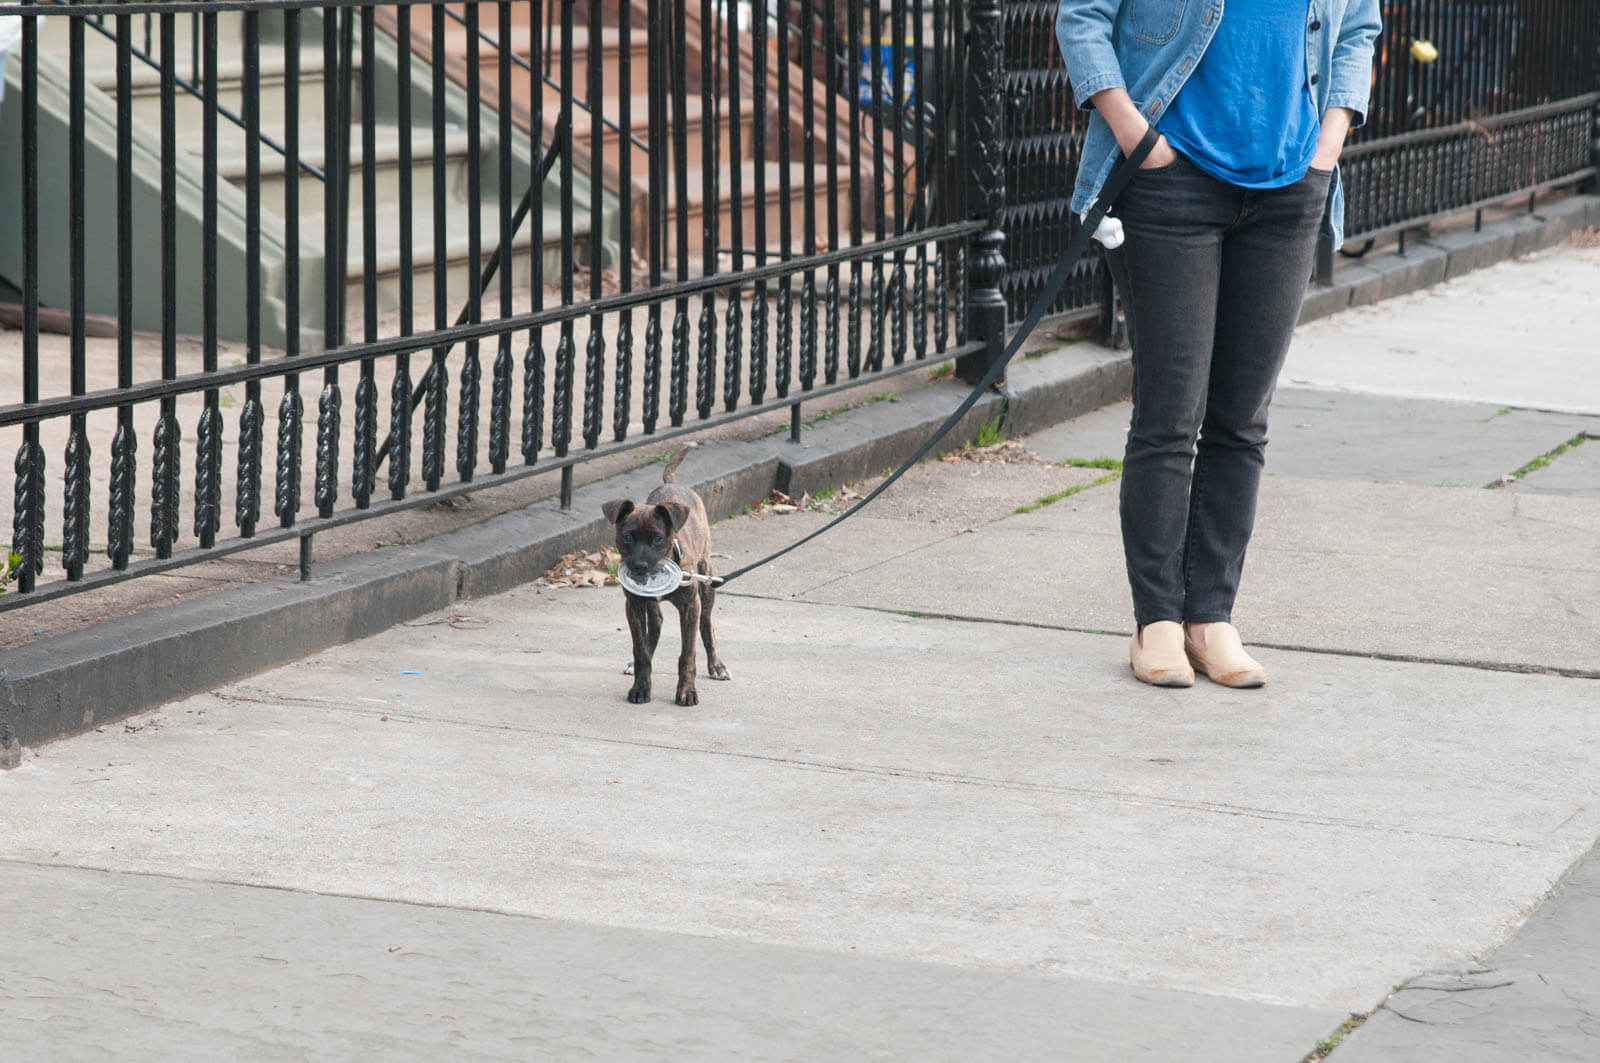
(627,537)
(659,540)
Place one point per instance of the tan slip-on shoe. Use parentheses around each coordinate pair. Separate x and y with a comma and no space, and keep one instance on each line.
(1157,655)
(1223,659)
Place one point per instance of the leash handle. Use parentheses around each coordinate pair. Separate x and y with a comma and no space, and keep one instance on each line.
(1069,259)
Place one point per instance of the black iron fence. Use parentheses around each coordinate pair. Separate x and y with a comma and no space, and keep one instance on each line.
(1474,102)
(276,241)
(280,239)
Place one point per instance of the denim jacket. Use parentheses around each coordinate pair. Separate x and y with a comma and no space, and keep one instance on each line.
(1149,48)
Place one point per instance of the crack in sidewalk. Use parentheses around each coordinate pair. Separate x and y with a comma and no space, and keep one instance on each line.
(884,771)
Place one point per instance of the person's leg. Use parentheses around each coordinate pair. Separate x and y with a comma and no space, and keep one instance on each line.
(1167,272)
(1265,265)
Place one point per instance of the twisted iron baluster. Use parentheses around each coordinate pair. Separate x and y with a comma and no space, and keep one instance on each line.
(363,455)
(533,397)
(467,425)
(652,369)
(919,314)
(853,323)
(291,414)
(500,407)
(785,327)
(808,331)
(758,344)
(594,382)
(678,398)
(27,522)
(119,530)
(830,355)
(624,388)
(561,413)
(247,491)
(897,285)
(75,504)
(208,475)
(327,490)
(166,467)
(733,329)
(961,295)
(877,313)
(433,426)
(941,294)
(704,393)
(400,431)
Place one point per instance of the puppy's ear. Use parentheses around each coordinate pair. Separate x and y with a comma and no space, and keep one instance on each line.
(673,514)
(616,509)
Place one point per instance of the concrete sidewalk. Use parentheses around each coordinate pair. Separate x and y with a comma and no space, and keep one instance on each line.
(932,816)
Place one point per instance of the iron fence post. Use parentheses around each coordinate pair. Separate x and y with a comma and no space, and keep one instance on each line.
(986,266)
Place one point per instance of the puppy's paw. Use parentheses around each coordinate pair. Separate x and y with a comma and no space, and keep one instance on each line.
(718,671)
(687,697)
(639,695)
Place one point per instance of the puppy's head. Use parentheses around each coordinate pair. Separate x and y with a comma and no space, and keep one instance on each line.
(644,533)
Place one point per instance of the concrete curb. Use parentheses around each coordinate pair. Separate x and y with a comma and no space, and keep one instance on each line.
(84,679)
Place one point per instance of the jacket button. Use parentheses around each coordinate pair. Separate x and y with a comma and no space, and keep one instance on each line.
(1315,78)
(1316,25)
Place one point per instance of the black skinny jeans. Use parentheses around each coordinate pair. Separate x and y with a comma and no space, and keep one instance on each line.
(1211,276)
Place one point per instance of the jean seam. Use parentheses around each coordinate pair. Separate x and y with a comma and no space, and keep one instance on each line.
(1197,487)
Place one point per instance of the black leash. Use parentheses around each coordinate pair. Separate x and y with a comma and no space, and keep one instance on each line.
(1069,259)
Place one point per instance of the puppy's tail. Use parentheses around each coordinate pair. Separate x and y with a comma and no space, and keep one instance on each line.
(669,475)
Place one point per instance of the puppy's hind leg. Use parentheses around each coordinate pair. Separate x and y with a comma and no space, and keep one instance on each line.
(708,630)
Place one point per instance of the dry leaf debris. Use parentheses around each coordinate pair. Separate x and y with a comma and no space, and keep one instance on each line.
(596,568)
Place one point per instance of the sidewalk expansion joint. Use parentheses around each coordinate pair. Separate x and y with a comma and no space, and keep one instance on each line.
(1374,655)
(883,771)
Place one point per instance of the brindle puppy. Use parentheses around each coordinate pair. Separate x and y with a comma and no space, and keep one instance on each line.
(671,524)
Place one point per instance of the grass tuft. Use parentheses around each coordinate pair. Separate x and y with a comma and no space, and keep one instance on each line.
(1050,500)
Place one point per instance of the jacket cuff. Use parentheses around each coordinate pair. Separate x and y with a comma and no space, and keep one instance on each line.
(1356,104)
(1083,90)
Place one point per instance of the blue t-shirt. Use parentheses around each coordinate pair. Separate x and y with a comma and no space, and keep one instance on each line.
(1245,115)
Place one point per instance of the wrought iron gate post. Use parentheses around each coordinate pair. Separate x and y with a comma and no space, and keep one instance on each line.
(986,266)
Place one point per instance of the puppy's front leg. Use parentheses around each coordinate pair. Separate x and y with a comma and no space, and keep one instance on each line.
(688,602)
(644,644)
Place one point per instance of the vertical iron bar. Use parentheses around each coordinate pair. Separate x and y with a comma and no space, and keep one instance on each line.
(335,189)
(656,42)
(166,451)
(922,186)
(595,350)
(291,409)
(678,399)
(208,448)
(75,504)
(938,164)
(363,450)
(305,556)
(808,155)
(784,326)
(853,321)
(877,311)
(500,395)
(533,357)
(561,409)
(400,389)
(986,307)
(733,324)
(758,305)
(622,390)
(247,488)
(710,213)
(436,410)
(831,155)
(119,534)
(897,280)
(27,536)
(471,370)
